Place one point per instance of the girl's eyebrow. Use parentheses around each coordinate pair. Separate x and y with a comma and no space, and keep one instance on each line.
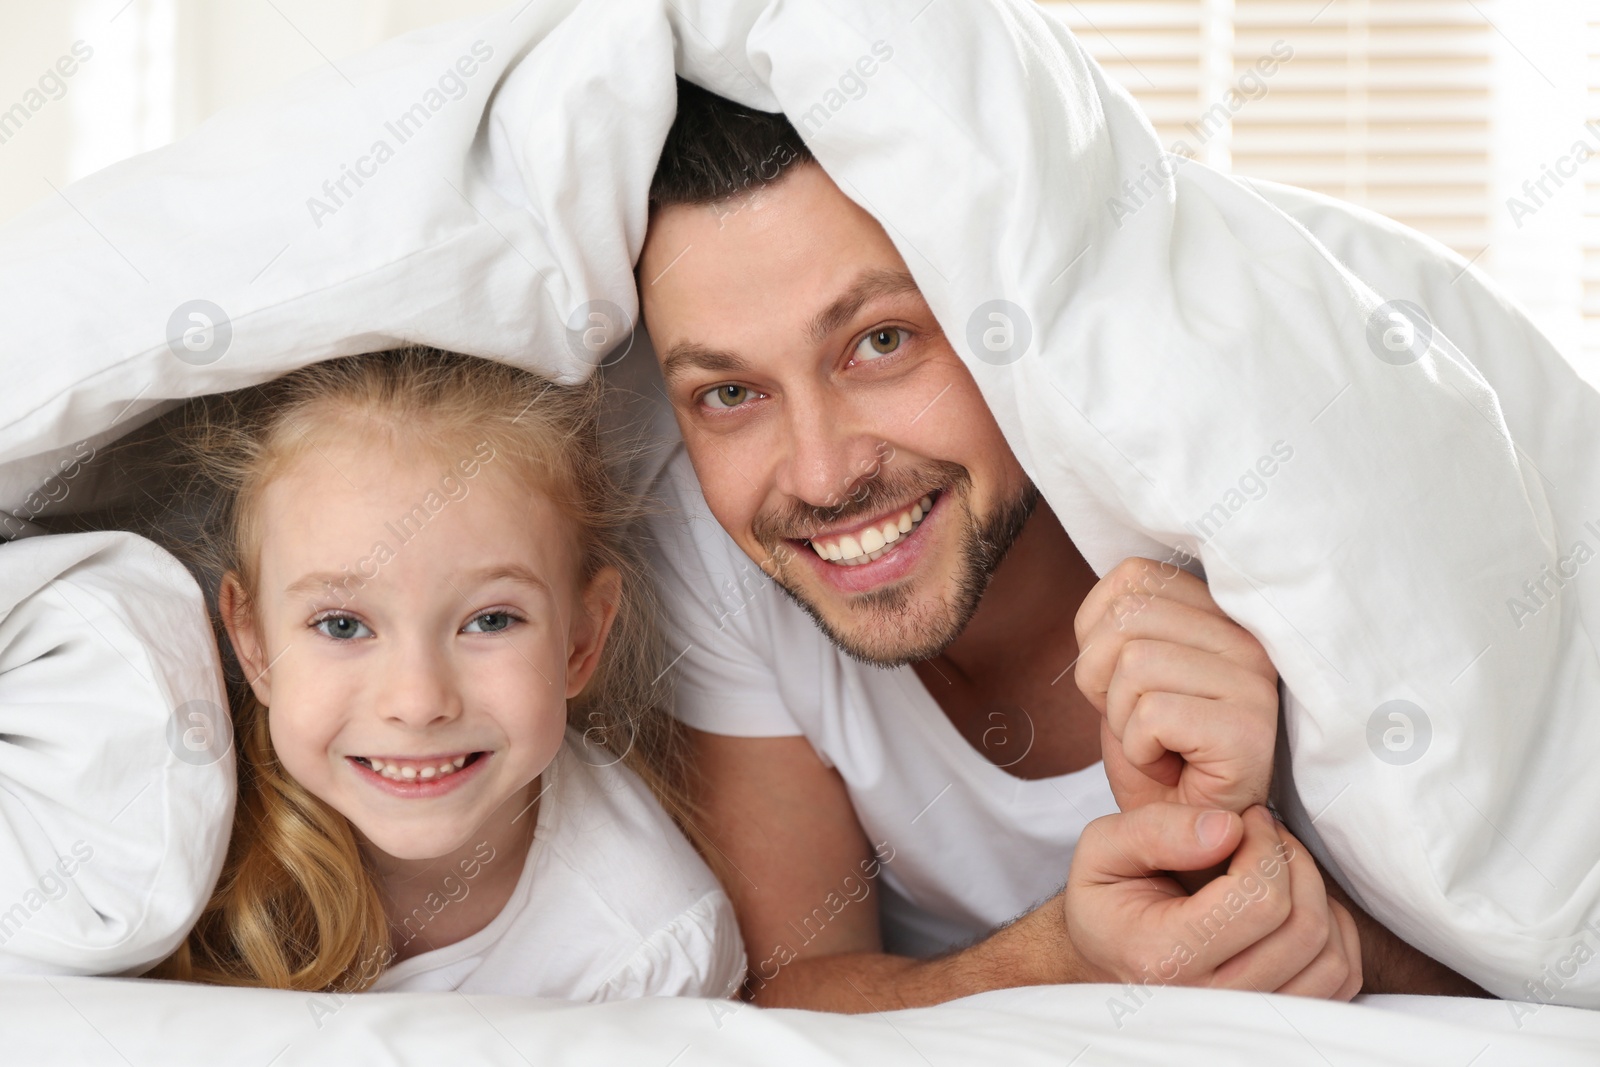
(508,572)
(319,581)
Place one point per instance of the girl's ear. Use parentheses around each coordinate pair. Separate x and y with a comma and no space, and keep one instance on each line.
(239,621)
(590,629)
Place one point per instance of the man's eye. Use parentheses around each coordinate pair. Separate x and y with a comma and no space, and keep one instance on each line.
(725,396)
(879,343)
(341,627)
(490,622)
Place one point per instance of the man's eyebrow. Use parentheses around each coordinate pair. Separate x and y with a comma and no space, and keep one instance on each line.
(870,285)
(687,355)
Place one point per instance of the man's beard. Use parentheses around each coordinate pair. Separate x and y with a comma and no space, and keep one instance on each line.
(984,544)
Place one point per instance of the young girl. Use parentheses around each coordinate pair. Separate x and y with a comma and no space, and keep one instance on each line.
(447,715)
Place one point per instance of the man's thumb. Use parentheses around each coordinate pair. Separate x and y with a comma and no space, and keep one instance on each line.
(1158,837)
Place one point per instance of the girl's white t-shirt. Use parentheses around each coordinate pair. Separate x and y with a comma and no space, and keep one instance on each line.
(964,845)
(613,903)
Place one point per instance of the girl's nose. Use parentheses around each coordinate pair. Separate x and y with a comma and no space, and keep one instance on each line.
(421,690)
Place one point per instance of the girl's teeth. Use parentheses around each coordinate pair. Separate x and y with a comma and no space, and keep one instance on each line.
(396,773)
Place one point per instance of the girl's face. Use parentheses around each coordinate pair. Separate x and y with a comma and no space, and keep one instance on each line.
(420,624)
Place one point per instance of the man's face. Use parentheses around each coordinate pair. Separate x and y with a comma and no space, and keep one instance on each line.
(837,436)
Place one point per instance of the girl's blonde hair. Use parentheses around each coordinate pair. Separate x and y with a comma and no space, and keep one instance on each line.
(296,906)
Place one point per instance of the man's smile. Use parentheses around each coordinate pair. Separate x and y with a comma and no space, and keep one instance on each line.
(866,542)
(864,558)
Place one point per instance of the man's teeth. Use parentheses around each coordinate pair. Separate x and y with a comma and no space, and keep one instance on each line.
(414,771)
(873,541)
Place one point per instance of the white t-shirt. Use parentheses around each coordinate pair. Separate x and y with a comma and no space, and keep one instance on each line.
(613,903)
(967,846)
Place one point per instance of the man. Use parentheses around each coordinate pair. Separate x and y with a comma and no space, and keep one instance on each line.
(895,764)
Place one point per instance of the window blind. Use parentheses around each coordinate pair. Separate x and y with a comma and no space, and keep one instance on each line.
(1384,103)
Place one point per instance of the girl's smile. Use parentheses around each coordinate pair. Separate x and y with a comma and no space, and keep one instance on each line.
(415,779)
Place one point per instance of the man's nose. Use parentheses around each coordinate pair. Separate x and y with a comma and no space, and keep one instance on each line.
(829,454)
(420,687)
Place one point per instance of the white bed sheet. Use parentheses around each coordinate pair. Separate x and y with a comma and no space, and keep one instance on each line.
(119,1022)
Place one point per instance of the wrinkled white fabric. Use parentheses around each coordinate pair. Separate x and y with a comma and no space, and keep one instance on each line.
(1174,337)
(116,771)
(113,1022)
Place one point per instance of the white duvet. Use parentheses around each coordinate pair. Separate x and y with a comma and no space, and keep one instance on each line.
(1403,511)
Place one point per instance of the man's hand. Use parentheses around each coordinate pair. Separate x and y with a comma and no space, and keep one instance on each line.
(1266,924)
(1189,698)
(780,830)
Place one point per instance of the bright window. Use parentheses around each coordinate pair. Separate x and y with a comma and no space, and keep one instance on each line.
(1456,117)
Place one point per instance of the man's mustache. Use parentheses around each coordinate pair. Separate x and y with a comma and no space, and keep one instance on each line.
(868,497)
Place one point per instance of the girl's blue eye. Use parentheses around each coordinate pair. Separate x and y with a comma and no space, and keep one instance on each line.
(725,396)
(341,627)
(879,342)
(492,622)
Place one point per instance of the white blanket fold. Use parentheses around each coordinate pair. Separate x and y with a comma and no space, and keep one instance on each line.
(116,771)
(1404,512)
